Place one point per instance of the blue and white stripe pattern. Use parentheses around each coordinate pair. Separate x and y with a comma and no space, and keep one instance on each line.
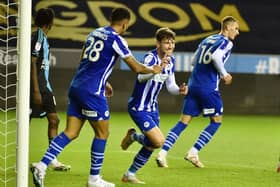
(206,135)
(102,49)
(96,162)
(205,74)
(173,135)
(56,146)
(203,139)
(170,140)
(140,159)
(97,155)
(145,94)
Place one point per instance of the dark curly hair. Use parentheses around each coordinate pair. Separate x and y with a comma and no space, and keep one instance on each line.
(44,16)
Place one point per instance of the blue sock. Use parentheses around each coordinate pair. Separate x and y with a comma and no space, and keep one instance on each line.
(142,139)
(206,135)
(140,159)
(56,146)
(97,155)
(173,135)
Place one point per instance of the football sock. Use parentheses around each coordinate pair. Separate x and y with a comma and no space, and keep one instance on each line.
(97,155)
(140,160)
(142,139)
(173,135)
(206,135)
(56,146)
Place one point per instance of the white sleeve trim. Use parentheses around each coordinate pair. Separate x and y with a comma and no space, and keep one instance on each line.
(145,77)
(217,57)
(171,85)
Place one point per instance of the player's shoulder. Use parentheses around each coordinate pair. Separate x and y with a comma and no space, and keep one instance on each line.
(38,35)
(149,57)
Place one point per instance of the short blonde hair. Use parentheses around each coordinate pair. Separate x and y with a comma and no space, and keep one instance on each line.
(226,20)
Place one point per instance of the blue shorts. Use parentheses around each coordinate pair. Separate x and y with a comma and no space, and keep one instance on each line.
(144,120)
(88,106)
(197,101)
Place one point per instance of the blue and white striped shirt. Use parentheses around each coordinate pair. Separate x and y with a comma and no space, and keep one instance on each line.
(101,51)
(209,60)
(145,94)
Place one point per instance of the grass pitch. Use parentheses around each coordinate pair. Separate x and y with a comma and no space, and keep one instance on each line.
(243,153)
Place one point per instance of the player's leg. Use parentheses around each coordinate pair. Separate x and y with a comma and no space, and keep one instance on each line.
(147,122)
(155,140)
(140,159)
(49,105)
(171,139)
(101,129)
(190,108)
(151,138)
(71,132)
(212,107)
(53,122)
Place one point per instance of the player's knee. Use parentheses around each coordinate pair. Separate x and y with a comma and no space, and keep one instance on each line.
(71,135)
(216,119)
(102,135)
(54,122)
(158,143)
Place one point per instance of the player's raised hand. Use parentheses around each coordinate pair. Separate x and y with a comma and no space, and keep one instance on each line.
(157,69)
(227,79)
(165,60)
(183,89)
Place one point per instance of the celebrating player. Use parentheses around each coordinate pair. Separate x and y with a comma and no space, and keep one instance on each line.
(42,101)
(203,94)
(143,104)
(87,95)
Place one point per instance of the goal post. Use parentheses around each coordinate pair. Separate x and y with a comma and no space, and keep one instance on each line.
(23,82)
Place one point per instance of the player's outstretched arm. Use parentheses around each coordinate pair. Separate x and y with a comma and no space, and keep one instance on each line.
(137,67)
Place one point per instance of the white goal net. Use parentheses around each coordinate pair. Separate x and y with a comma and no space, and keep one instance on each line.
(14,92)
(8,61)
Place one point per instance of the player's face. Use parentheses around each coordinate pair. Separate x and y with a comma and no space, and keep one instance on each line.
(166,46)
(233,30)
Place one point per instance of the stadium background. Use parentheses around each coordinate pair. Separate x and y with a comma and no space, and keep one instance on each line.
(254,91)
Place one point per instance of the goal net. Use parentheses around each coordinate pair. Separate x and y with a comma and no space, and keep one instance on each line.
(15,19)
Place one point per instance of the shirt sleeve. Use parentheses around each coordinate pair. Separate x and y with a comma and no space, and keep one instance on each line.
(36,43)
(171,85)
(219,57)
(148,61)
(121,48)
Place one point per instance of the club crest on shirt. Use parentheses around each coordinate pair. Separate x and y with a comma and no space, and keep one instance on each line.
(148,59)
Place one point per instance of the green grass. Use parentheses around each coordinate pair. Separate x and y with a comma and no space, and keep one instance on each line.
(244,153)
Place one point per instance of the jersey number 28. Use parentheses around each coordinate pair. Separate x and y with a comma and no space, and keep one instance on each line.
(92,51)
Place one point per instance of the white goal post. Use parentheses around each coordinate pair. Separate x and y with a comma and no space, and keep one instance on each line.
(23,83)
